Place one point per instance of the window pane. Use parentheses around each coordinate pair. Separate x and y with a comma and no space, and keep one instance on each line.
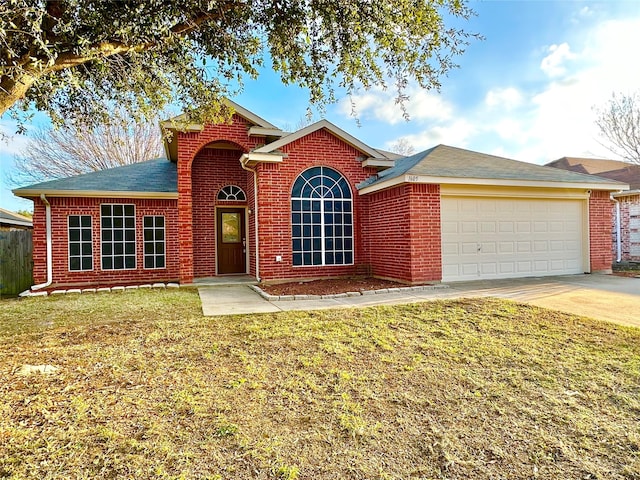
(118,262)
(74,263)
(87,263)
(148,221)
(160,248)
(231,227)
(297,259)
(86,221)
(130,262)
(129,248)
(129,222)
(105,210)
(74,235)
(160,262)
(107,263)
(148,262)
(86,249)
(74,221)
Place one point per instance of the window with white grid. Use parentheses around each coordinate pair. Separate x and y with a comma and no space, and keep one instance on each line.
(232,192)
(80,242)
(321,218)
(118,236)
(154,256)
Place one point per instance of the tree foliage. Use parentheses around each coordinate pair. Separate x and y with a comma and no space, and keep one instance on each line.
(75,58)
(619,125)
(62,152)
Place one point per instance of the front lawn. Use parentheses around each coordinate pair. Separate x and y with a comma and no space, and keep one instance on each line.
(149,388)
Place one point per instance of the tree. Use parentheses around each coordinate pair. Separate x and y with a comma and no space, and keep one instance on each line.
(619,124)
(75,58)
(62,152)
(403,147)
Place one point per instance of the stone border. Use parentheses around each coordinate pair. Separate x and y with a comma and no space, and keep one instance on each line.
(115,289)
(281,298)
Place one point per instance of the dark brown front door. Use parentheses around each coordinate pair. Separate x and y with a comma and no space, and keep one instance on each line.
(231,241)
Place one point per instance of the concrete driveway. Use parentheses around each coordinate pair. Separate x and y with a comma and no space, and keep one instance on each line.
(604,297)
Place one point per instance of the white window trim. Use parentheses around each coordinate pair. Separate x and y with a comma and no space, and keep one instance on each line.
(135,241)
(154,241)
(69,244)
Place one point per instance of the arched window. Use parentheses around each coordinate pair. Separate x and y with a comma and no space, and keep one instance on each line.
(231,192)
(321,218)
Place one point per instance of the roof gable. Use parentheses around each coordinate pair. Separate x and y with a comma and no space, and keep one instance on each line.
(445,164)
(331,128)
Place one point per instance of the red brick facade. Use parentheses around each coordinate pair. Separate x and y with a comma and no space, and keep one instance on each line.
(61,208)
(600,248)
(403,233)
(629,229)
(275,181)
(396,232)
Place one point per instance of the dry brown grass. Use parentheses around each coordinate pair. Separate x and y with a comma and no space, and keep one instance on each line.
(148,388)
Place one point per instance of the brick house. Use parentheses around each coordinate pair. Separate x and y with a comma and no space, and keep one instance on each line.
(625,228)
(247,198)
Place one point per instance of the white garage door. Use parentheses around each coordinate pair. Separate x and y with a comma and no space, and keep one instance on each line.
(490,238)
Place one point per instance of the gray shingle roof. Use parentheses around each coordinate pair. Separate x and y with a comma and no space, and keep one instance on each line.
(159,175)
(451,162)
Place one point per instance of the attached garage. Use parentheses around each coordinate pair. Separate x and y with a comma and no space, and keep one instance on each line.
(483,217)
(493,237)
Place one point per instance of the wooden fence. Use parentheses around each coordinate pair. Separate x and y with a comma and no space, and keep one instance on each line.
(16,261)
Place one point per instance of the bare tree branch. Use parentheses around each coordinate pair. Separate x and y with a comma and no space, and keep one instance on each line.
(58,153)
(619,125)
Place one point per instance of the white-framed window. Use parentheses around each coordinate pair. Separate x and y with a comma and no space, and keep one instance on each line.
(80,242)
(154,241)
(232,192)
(118,236)
(321,218)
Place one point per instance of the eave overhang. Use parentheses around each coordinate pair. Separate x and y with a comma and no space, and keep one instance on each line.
(425,179)
(251,159)
(267,132)
(28,193)
(379,163)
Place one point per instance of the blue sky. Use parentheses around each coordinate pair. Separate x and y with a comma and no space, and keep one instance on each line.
(526,92)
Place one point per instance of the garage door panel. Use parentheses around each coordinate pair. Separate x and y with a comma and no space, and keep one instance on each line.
(502,238)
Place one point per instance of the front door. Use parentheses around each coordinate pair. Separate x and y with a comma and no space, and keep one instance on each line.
(232,242)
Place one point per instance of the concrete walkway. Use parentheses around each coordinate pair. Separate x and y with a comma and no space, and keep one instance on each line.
(604,297)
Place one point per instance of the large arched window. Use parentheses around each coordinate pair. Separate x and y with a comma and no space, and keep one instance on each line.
(321,218)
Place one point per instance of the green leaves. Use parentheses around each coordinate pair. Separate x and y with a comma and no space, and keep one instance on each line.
(74,59)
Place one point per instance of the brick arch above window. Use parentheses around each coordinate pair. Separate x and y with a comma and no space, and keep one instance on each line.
(232,193)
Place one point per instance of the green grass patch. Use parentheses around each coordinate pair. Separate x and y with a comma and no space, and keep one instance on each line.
(149,388)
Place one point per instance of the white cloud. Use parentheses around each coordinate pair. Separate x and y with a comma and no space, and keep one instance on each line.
(455,133)
(381,105)
(505,98)
(553,64)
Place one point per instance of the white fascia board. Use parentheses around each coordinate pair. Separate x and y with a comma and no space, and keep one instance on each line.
(20,223)
(252,158)
(626,193)
(96,194)
(267,132)
(338,132)
(488,182)
(252,117)
(378,163)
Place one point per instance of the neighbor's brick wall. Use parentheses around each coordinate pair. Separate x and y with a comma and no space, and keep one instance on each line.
(600,241)
(189,144)
(403,233)
(274,190)
(211,170)
(629,228)
(61,208)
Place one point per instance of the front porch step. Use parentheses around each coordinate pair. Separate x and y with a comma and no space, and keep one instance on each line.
(225,280)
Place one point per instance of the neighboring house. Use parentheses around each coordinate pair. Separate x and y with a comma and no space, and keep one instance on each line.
(626,214)
(14,221)
(248,198)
